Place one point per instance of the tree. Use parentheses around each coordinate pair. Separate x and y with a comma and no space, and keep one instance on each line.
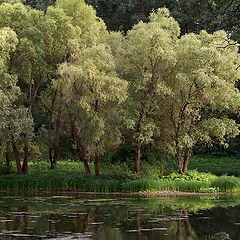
(14,120)
(43,44)
(149,53)
(203,82)
(93,92)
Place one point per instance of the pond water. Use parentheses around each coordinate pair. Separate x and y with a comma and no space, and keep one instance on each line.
(66,217)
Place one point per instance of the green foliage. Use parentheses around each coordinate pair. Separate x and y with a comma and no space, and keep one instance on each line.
(218,165)
(227,184)
(63,75)
(191,176)
(69,176)
(119,171)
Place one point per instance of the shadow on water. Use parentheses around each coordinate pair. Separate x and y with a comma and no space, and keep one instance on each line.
(66,217)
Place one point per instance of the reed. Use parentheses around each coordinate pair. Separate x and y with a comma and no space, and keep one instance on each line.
(69,176)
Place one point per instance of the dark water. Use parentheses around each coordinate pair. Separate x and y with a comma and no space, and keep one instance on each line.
(86,217)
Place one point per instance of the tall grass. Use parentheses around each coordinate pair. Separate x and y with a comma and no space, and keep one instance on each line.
(69,176)
(227,184)
(218,165)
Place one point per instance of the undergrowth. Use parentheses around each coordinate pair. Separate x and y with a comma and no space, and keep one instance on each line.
(69,176)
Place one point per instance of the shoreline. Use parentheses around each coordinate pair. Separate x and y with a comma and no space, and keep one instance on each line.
(141,193)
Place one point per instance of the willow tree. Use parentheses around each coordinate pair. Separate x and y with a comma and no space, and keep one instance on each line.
(149,57)
(204,95)
(14,120)
(93,92)
(8,89)
(88,82)
(43,45)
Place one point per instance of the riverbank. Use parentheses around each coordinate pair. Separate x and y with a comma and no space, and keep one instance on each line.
(69,176)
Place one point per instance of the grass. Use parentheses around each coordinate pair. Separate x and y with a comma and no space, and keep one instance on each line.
(217,165)
(116,178)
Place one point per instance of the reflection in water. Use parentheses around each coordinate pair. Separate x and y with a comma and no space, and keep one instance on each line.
(138,225)
(117,219)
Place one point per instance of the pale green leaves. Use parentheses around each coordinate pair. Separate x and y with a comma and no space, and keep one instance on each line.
(218,129)
(8,42)
(83,17)
(165,21)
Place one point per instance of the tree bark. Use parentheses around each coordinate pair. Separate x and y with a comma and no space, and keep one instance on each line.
(82,154)
(138,225)
(7,158)
(96,164)
(187,155)
(138,157)
(85,162)
(179,160)
(57,138)
(81,150)
(50,147)
(179,156)
(17,158)
(26,158)
(50,156)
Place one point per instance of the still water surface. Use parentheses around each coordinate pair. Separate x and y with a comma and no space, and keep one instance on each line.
(66,217)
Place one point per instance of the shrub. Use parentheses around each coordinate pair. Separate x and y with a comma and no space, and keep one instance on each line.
(120,171)
(191,176)
(227,184)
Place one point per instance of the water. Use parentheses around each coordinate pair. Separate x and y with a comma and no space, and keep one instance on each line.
(66,217)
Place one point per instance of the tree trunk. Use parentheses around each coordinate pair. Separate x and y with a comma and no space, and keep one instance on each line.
(50,156)
(179,160)
(138,157)
(55,158)
(26,158)
(50,148)
(138,225)
(81,150)
(83,157)
(7,158)
(17,158)
(85,163)
(187,155)
(97,157)
(96,164)
(57,139)
(178,155)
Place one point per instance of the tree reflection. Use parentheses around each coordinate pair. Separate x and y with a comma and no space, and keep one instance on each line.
(138,225)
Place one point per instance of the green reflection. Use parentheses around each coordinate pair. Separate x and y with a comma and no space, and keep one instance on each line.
(120,217)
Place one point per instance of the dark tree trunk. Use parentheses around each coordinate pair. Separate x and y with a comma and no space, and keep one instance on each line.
(179,160)
(85,162)
(26,158)
(50,148)
(17,157)
(57,139)
(97,157)
(138,225)
(187,155)
(84,158)
(96,164)
(55,158)
(50,156)
(81,150)
(178,155)
(138,157)
(7,159)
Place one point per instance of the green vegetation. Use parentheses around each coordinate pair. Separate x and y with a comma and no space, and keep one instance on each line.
(218,165)
(121,103)
(66,177)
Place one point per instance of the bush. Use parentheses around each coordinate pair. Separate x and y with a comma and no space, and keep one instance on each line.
(191,176)
(227,184)
(119,171)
